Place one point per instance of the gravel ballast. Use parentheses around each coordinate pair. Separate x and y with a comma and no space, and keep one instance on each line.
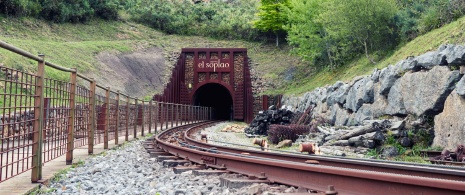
(130,170)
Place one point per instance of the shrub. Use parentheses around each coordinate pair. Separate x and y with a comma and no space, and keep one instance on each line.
(61,10)
(217,19)
(278,133)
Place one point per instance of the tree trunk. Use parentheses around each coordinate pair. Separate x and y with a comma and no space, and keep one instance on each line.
(328,51)
(277,39)
(366,52)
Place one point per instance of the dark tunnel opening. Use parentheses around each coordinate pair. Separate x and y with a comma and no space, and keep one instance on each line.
(215,96)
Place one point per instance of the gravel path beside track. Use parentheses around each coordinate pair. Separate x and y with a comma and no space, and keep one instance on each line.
(130,170)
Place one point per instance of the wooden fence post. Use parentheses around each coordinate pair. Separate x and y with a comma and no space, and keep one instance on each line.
(162,116)
(157,108)
(117,118)
(167,115)
(36,173)
(172,114)
(72,107)
(142,114)
(107,118)
(91,125)
(150,115)
(135,118)
(126,137)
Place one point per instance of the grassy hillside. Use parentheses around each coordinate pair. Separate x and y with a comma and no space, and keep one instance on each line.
(453,33)
(76,45)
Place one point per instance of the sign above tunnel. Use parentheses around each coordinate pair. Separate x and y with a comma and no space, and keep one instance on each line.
(212,63)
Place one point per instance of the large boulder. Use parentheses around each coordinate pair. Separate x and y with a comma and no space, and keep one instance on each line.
(460,88)
(445,55)
(339,94)
(375,75)
(387,78)
(431,59)
(361,92)
(379,105)
(454,54)
(339,116)
(363,113)
(425,92)
(395,102)
(322,110)
(408,64)
(449,126)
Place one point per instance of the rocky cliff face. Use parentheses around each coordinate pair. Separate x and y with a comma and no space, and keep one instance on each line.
(427,86)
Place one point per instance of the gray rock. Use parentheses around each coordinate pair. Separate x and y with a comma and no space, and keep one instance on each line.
(361,92)
(430,59)
(339,95)
(375,75)
(397,125)
(460,88)
(405,142)
(454,54)
(380,102)
(395,102)
(424,93)
(388,77)
(408,64)
(339,116)
(363,113)
(331,100)
(390,151)
(449,126)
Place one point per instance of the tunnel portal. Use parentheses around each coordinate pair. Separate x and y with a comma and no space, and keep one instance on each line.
(218,98)
(212,77)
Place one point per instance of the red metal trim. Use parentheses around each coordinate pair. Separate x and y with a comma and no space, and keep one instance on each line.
(318,177)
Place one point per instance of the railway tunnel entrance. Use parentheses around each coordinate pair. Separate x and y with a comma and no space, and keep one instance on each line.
(217,97)
(212,77)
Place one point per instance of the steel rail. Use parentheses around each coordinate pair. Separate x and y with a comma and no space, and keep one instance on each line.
(316,177)
(375,165)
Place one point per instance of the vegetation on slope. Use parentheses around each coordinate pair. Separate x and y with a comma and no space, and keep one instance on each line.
(453,33)
(336,40)
(76,45)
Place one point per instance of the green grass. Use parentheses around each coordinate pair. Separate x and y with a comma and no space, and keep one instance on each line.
(76,45)
(453,33)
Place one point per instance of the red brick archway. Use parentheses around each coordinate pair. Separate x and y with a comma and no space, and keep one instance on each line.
(199,67)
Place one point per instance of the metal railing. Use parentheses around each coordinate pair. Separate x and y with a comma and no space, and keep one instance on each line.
(42,118)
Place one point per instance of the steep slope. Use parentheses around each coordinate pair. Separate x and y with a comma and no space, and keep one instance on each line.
(453,33)
(108,51)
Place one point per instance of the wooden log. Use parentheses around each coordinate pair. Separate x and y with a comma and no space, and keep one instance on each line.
(359,131)
(338,143)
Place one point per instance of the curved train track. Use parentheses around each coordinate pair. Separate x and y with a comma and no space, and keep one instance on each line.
(314,172)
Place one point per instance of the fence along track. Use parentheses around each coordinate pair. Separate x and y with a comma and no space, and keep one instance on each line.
(311,176)
(70,114)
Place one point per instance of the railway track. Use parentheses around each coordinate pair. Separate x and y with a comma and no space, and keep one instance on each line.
(314,172)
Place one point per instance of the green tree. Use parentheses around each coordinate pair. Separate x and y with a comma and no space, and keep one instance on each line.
(303,31)
(272,17)
(367,22)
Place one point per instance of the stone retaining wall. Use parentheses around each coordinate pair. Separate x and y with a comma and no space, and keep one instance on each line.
(427,86)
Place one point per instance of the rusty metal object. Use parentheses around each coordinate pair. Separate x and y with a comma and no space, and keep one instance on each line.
(292,173)
(259,142)
(360,164)
(311,148)
(204,138)
(450,158)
